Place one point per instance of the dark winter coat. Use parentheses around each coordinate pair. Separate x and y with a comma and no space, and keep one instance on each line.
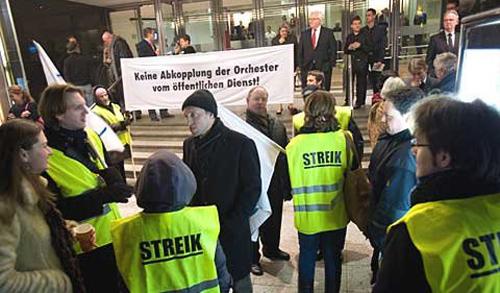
(273,128)
(402,268)
(445,85)
(392,174)
(227,170)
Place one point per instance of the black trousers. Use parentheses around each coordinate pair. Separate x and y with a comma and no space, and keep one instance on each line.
(270,231)
(99,270)
(375,78)
(360,75)
(328,77)
(163,114)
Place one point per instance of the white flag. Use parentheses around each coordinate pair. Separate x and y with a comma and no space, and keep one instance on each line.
(108,136)
(268,152)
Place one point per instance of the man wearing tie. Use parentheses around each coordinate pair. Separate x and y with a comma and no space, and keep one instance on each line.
(445,41)
(147,48)
(317,49)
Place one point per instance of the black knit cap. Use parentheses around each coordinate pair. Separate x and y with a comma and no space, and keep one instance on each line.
(201,99)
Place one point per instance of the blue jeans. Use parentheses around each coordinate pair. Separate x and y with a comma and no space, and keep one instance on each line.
(331,244)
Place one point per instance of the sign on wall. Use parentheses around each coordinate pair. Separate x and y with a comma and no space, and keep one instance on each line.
(166,81)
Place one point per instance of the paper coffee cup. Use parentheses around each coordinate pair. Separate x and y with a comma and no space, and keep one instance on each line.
(84,234)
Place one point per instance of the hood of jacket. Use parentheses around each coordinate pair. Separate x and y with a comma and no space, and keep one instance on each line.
(165,184)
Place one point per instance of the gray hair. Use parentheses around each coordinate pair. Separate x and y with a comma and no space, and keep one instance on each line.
(258,88)
(446,61)
(392,84)
(318,13)
(452,12)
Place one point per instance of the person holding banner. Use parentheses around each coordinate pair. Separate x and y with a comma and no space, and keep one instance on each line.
(86,191)
(317,161)
(112,114)
(279,189)
(227,170)
(147,48)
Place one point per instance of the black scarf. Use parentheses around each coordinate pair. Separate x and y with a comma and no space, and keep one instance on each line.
(261,123)
(450,184)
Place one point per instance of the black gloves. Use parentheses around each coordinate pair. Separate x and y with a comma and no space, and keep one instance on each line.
(111,176)
(116,190)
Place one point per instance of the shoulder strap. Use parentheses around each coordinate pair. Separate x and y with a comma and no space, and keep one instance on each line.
(350,148)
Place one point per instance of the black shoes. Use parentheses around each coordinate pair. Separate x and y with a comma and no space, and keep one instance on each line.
(277,255)
(256,269)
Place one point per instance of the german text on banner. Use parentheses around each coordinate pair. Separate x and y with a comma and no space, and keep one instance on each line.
(166,81)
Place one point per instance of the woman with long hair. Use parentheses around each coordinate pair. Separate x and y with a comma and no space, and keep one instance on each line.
(317,161)
(36,252)
(23,104)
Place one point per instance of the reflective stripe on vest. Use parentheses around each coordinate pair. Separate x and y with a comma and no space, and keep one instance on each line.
(168,252)
(74,179)
(342,113)
(316,163)
(111,119)
(459,241)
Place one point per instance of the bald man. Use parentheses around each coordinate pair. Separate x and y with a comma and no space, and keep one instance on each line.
(279,189)
(115,48)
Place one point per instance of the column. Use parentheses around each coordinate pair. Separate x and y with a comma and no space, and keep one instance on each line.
(160,26)
(218,24)
(258,15)
(178,13)
(12,51)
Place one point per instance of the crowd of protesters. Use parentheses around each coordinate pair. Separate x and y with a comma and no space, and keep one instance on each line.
(433,216)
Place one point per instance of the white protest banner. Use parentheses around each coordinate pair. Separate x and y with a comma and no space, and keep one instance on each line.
(268,152)
(166,81)
(52,75)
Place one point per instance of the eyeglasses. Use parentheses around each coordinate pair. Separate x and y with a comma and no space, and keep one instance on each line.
(415,144)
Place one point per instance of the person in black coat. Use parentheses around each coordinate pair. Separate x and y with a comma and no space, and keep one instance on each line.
(419,78)
(227,170)
(358,45)
(115,48)
(445,41)
(147,48)
(445,66)
(279,188)
(377,36)
(184,45)
(24,106)
(285,37)
(320,54)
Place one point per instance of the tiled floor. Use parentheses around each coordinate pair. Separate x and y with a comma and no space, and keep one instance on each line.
(281,276)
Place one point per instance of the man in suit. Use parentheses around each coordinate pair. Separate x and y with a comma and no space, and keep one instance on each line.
(445,41)
(358,45)
(147,48)
(317,49)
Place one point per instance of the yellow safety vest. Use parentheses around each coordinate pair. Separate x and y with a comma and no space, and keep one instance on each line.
(74,179)
(111,119)
(317,163)
(342,113)
(459,241)
(168,252)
